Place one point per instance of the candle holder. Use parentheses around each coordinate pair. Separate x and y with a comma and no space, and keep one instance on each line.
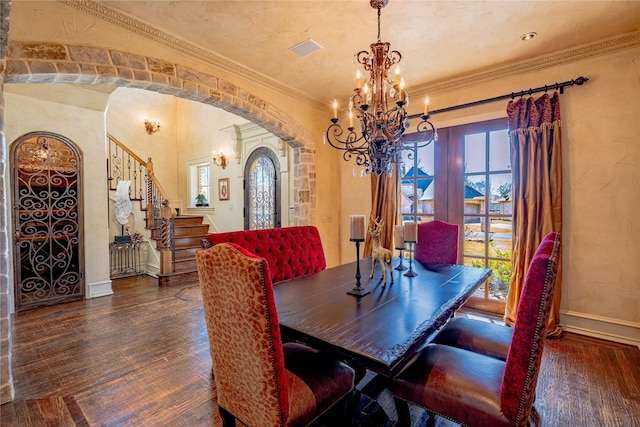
(411,273)
(358,291)
(400,266)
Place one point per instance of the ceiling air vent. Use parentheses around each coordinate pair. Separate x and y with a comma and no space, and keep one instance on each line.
(305,48)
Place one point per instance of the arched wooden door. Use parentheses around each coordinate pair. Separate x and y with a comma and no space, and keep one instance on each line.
(47,220)
(262,190)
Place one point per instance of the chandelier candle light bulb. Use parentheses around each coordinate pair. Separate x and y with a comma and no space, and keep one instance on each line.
(426,105)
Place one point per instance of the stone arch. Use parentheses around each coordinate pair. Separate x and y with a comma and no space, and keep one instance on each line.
(45,62)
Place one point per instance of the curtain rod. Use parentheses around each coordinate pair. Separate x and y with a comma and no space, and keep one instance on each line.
(556,86)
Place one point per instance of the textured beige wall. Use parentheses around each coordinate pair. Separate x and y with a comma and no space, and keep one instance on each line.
(601,191)
(27,109)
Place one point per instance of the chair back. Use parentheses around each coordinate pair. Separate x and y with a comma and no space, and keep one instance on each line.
(529,332)
(437,242)
(244,334)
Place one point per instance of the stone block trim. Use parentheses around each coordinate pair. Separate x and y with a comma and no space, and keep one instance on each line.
(31,62)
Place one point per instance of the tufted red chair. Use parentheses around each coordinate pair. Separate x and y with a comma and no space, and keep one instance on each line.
(478,390)
(483,337)
(437,243)
(259,381)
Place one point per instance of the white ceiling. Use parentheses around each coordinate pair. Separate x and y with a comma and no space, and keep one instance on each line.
(439,40)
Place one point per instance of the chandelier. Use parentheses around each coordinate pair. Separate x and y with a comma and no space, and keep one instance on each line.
(379,106)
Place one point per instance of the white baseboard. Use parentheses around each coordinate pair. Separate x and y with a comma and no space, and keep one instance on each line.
(601,327)
(99,289)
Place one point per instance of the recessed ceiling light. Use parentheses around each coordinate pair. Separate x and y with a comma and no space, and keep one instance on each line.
(528,36)
(305,48)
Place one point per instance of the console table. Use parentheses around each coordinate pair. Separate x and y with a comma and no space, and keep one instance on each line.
(125,259)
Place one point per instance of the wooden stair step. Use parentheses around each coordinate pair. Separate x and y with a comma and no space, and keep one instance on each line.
(183,220)
(191,230)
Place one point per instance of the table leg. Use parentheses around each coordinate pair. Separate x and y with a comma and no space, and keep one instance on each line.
(404,415)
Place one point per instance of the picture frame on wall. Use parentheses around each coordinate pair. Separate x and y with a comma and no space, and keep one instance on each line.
(223,189)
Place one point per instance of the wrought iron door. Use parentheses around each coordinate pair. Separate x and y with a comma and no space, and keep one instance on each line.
(262,190)
(47,215)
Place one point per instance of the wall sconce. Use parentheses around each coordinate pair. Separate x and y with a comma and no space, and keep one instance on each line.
(151,126)
(220,159)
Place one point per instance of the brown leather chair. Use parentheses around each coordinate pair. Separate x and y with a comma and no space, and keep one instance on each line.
(437,243)
(483,337)
(478,390)
(259,380)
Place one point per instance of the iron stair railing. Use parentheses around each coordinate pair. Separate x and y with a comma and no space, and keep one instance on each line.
(124,164)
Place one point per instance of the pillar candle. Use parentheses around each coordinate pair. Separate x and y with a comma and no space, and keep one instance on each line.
(399,236)
(411,232)
(357,227)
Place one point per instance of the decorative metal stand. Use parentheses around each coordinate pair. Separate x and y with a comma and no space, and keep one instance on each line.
(401,266)
(411,273)
(358,291)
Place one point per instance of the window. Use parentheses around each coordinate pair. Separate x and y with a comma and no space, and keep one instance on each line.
(487,207)
(465,179)
(417,176)
(199,183)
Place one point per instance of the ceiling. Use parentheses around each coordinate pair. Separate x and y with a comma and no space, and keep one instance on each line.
(439,40)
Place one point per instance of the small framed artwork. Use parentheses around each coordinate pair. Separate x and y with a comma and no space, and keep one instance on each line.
(223,189)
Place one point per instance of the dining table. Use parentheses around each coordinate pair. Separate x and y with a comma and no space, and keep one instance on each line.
(382,330)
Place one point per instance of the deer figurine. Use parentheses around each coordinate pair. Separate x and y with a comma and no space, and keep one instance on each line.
(378,253)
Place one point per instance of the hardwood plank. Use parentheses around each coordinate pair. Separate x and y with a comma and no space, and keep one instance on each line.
(141,357)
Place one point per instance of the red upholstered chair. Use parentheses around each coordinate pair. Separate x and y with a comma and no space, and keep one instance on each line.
(478,390)
(437,243)
(259,381)
(483,337)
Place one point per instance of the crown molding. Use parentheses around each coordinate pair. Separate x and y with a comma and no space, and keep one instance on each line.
(130,24)
(602,47)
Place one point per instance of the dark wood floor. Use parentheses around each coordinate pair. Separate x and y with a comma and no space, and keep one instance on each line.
(141,358)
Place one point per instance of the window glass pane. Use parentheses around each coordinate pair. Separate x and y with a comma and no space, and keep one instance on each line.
(203,187)
(500,279)
(499,151)
(500,238)
(425,196)
(474,236)
(475,152)
(474,189)
(501,193)
(426,160)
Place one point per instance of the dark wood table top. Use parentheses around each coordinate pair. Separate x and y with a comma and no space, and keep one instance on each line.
(382,330)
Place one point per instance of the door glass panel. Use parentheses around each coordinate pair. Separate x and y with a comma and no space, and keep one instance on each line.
(417,184)
(475,159)
(487,208)
(474,237)
(262,194)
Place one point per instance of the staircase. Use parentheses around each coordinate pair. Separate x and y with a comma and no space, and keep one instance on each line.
(188,230)
(176,237)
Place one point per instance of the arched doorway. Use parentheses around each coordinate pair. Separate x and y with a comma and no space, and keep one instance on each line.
(47,220)
(262,190)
